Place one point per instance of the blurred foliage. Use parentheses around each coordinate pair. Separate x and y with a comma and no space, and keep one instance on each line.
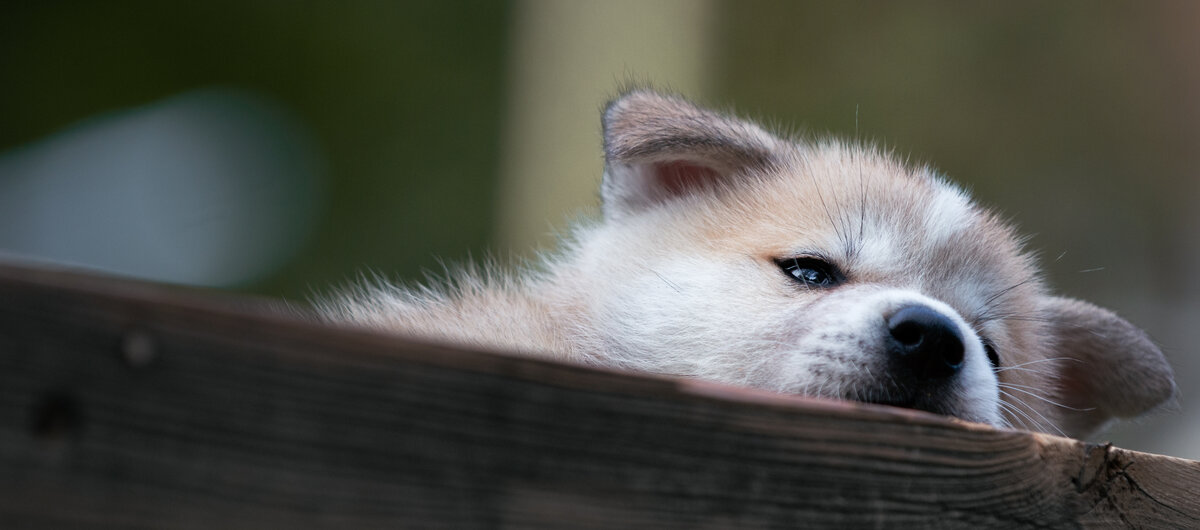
(404,98)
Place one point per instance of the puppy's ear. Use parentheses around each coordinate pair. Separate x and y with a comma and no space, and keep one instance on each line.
(660,147)
(1112,369)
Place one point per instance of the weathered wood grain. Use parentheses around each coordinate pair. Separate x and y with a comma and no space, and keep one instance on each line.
(131,405)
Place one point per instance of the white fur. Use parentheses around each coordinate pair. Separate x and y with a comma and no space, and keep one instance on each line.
(949,215)
(682,277)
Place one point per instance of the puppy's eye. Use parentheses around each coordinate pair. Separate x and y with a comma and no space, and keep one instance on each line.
(811,272)
(990,350)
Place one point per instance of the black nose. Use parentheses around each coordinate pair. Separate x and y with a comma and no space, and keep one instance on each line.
(926,342)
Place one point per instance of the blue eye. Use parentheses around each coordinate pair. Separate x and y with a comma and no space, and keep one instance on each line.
(811,272)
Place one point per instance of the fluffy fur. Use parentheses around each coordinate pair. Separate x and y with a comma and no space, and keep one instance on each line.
(684,275)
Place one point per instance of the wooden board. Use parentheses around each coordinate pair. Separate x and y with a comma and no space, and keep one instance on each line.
(131,405)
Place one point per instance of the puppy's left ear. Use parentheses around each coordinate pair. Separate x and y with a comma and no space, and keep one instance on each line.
(658,147)
(1112,369)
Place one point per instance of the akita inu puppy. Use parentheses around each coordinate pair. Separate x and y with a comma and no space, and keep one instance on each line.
(822,268)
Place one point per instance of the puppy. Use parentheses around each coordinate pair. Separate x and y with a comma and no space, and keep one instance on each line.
(827,269)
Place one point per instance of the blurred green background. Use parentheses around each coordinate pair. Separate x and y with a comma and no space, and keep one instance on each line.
(440,131)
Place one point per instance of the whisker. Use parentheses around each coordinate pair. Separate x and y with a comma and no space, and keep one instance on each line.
(862,189)
(1021,366)
(1004,422)
(1006,290)
(669,283)
(989,315)
(1022,389)
(1045,421)
(1015,418)
(825,206)
(1027,421)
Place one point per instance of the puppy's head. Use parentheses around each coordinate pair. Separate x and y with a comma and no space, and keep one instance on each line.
(833,270)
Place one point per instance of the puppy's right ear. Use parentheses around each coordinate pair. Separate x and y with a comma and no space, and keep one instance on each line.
(658,147)
(1112,369)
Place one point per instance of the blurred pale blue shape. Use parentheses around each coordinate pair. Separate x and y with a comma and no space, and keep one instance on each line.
(214,187)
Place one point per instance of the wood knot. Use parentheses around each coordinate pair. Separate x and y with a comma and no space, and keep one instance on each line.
(138,348)
(56,417)
(1094,467)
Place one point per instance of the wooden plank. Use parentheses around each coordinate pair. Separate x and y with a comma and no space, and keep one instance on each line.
(130,405)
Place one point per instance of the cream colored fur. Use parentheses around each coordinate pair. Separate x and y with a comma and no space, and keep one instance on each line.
(680,277)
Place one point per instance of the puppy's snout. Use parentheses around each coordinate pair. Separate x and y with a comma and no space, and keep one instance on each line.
(925,341)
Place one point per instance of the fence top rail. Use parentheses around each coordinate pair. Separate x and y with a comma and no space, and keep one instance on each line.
(125,403)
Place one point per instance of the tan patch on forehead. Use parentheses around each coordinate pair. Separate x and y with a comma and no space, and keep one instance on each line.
(853,205)
(826,198)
